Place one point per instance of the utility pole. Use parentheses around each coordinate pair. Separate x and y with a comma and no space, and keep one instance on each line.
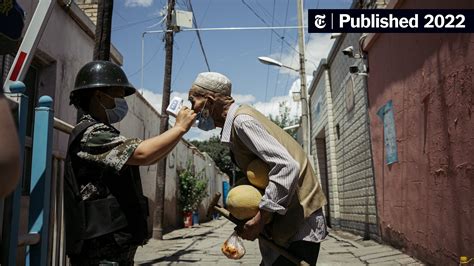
(161,172)
(103,30)
(304,95)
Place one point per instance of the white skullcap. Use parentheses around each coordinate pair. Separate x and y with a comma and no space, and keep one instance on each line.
(215,82)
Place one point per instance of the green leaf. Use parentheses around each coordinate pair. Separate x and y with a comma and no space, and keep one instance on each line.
(192,188)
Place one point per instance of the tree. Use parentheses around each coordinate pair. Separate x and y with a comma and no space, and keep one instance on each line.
(220,154)
(192,188)
(284,119)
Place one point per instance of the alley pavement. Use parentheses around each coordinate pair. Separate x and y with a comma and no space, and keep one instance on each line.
(200,245)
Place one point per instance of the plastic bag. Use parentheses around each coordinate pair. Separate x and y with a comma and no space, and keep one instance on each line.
(233,247)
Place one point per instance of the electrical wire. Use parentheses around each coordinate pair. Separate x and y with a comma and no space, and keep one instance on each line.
(199,37)
(148,62)
(121,27)
(281,48)
(159,22)
(265,11)
(184,61)
(263,20)
(270,52)
(288,78)
(192,44)
(120,15)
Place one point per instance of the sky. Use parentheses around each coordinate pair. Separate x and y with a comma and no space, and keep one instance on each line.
(232,53)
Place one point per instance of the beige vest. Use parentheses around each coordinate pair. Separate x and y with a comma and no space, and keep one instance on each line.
(309,196)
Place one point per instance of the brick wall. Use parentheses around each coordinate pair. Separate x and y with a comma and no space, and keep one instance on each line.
(353,157)
(89,7)
(323,140)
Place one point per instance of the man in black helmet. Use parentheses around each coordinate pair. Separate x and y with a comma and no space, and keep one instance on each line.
(106,211)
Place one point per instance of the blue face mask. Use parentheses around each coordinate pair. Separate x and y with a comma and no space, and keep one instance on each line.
(204,120)
(117,113)
(205,124)
(120,110)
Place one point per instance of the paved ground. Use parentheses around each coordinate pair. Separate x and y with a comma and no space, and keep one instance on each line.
(201,244)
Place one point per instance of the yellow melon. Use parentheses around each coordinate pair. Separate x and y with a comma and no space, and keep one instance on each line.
(257,173)
(242,201)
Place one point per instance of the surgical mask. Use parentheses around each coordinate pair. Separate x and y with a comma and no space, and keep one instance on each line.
(204,120)
(117,113)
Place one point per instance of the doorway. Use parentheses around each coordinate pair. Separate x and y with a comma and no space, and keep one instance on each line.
(321,154)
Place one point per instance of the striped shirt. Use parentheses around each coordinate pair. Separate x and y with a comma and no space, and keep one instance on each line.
(283,175)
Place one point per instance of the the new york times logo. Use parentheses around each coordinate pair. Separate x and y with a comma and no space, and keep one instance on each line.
(320,21)
(383,20)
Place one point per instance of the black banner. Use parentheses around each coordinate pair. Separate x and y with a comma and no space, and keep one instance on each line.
(390,20)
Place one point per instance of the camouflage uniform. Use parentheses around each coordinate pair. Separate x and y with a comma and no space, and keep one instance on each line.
(102,156)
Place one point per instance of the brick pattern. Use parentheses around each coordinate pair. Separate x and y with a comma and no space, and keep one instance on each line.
(323,130)
(331,151)
(354,165)
(323,137)
(89,7)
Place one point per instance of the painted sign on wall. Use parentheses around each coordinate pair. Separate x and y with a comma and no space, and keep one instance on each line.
(390,137)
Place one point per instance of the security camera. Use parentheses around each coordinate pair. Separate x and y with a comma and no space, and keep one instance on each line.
(349,51)
(354,69)
(335,35)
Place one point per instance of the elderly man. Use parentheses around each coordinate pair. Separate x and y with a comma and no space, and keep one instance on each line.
(293,196)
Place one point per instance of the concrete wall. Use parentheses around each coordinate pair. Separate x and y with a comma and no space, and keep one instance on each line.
(178,160)
(66,45)
(425,201)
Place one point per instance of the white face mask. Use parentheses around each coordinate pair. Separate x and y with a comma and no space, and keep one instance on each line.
(117,113)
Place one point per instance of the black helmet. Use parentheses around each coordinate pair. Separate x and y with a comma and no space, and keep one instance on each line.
(102,74)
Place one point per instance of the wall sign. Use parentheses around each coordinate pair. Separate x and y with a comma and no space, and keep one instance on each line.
(390,137)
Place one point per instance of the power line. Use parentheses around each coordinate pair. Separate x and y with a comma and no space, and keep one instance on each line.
(118,14)
(263,20)
(288,79)
(199,37)
(121,27)
(265,11)
(270,52)
(228,28)
(182,4)
(147,63)
(191,46)
(184,61)
(281,49)
(281,37)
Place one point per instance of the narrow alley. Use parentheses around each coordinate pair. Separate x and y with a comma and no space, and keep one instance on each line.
(201,244)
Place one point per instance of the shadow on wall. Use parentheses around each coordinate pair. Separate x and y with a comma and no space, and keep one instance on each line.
(426,198)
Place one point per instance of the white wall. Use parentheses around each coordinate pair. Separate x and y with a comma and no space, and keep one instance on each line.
(66,45)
